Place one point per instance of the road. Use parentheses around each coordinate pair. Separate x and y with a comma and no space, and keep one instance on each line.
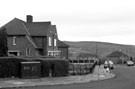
(125,79)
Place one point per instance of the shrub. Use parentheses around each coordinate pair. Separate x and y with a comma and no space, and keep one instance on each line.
(61,68)
(45,67)
(54,66)
(3,42)
(9,66)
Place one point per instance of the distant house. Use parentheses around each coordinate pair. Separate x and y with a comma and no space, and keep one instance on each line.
(86,57)
(118,57)
(63,48)
(31,38)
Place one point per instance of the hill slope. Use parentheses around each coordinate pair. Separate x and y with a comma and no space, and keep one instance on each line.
(102,49)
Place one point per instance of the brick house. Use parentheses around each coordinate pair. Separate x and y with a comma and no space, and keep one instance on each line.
(86,57)
(31,38)
(118,57)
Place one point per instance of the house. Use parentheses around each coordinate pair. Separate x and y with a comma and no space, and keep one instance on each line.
(86,57)
(63,48)
(118,57)
(31,38)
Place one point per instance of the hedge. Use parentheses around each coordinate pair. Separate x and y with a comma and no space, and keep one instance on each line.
(9,66)
(45,67)
(3,42)
(61,67)
(57,67)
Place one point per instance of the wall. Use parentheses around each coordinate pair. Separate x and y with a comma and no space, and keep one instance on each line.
(64,52)
(21,44)
(53,35)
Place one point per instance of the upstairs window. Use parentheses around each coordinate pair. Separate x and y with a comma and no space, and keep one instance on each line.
(50,41)
(55,42)
(14,40)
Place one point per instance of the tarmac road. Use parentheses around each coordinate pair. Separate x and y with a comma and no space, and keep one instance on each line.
(125,79)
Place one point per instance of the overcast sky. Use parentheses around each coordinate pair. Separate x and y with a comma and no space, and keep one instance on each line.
(78,20)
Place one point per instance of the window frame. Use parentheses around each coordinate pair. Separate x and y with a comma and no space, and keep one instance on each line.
(14,40)
(55,42)
(49,41)
(14,51)
(27,52)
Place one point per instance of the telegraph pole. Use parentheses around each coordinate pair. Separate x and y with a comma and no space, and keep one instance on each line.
(130,52)
(96,49)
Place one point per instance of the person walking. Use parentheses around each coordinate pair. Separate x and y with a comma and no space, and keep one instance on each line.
(99,62)
(110,65)
(106,64)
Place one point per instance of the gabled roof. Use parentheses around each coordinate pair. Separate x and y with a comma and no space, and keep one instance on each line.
(28,36)
(62,44)
(19,27)
(30,29)
(117,54)
(38,28)
(54,29)
(15,27)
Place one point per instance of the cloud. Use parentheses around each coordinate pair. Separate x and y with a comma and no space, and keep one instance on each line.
(78,19)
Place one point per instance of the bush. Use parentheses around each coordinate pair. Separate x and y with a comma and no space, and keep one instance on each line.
(9,67)
(3,42)
(54,66)
(45,67)
(61,68)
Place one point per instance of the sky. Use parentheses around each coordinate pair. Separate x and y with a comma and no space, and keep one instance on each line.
(78,20)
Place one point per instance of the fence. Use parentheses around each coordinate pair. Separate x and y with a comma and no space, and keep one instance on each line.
(81,68)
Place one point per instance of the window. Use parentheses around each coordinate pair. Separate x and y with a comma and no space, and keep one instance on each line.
(53,53)
(13,53)
(14,40)
(55,42)
(57,54)
(50,53)
(50,41)
(27,52)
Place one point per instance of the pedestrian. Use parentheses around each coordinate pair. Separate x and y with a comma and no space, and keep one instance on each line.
(107,70)
(99,62)
(110,65)
(106,64)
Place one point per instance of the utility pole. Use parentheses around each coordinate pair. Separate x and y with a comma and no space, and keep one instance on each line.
(129,51)
(97,59)
(96,49)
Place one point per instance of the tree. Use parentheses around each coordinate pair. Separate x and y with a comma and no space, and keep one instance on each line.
(3,42)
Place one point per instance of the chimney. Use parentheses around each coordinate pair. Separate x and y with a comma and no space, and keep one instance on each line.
(29,18)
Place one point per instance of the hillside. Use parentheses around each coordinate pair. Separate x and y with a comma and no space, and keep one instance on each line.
(102,49)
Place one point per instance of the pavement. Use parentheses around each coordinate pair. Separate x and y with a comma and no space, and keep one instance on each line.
(99,73)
